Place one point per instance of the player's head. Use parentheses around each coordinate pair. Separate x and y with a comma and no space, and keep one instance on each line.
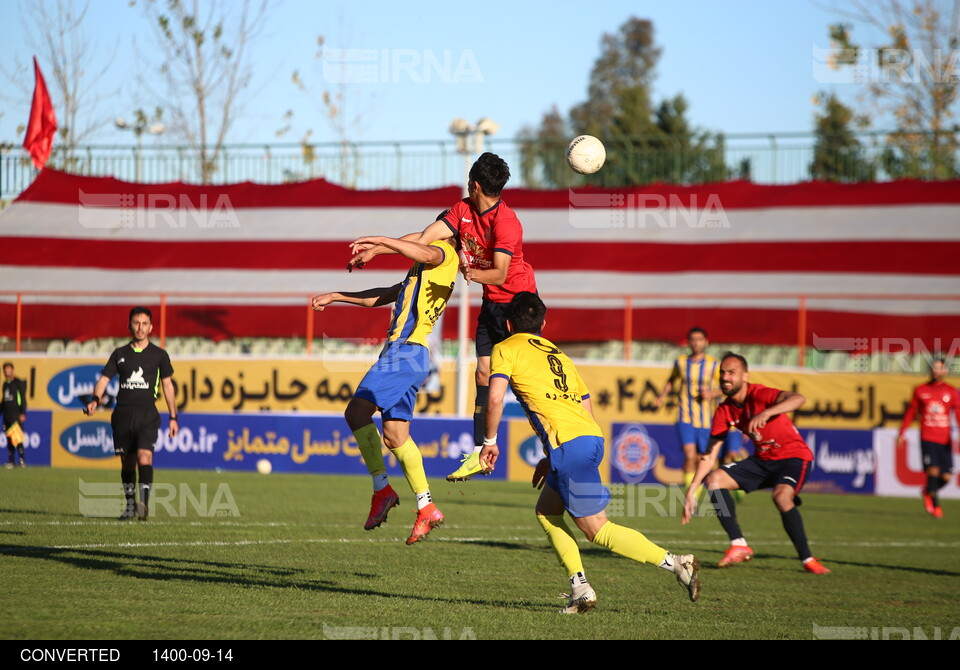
(141,322)
(8,370)
(938,369)
(697,339)
(734,373)
(527,313)
(490,173)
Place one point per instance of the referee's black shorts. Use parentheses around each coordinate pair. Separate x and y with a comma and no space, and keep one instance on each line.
(134,428)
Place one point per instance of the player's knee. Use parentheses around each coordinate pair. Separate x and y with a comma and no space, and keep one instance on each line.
(783,499)
(933,471)
(357,413)
(712,481)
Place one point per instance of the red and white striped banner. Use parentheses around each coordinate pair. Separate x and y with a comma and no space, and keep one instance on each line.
(874,260)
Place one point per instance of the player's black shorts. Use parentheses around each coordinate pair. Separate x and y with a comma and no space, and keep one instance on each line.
(753,473)
(936,455)
(491,326)
(134,428)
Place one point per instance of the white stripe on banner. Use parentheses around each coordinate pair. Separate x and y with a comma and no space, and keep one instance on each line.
(806,224)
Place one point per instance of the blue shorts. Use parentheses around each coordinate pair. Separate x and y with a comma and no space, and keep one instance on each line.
(699,437)
(755,473)
(393,381)
(575,475)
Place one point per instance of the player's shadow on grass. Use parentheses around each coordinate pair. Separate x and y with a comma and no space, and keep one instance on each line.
(134,565)
(144,566)
(759,560)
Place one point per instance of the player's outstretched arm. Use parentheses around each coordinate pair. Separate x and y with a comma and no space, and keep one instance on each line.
(704,468)
(374,297)
(363,253)
(415,251)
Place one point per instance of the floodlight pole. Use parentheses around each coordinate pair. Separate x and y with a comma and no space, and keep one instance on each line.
(469,140)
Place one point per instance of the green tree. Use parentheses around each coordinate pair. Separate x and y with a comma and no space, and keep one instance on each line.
(912,77)
(645,142)
(837,154)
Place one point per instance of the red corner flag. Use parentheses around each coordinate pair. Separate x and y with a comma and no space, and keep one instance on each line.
(43,122)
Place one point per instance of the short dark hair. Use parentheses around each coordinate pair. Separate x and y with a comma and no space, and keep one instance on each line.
(140,310)
(491,172)
(526,312)
(740,358)
(7,364)
(697,329)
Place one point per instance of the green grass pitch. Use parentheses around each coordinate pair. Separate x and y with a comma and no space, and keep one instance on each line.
(286,557)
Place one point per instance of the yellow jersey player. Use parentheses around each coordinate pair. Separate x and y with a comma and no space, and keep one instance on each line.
(547,383)
(391,385)
(696,378)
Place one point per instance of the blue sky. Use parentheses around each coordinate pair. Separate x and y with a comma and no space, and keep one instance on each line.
(745,66)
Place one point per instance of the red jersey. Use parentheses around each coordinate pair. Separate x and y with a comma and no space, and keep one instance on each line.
(933,401)
(481,234)
(779,439)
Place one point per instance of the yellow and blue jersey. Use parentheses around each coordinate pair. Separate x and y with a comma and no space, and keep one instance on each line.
(548,386)
(692,374)
(423,297)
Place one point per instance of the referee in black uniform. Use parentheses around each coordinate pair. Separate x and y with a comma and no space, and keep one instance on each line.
(144,370)
(14,409)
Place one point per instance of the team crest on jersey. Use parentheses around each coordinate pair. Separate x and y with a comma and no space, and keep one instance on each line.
(634,453)
(135,381)
(475,253)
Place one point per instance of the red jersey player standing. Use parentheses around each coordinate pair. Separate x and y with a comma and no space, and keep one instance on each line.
(933,401)
(489,237)
(781,461)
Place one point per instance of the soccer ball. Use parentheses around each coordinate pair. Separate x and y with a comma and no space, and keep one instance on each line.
(264,467)
(585,154)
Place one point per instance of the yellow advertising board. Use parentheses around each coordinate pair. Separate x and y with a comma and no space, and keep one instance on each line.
(619,393)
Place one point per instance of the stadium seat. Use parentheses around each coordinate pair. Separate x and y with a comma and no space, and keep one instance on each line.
(55,347)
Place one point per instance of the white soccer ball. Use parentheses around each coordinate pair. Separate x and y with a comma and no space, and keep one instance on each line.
(585,154)
(264,467)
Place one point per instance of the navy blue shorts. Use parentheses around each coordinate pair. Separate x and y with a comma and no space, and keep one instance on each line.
(936,455)
(491,326)
(753,473)
(575,475)
(393,381)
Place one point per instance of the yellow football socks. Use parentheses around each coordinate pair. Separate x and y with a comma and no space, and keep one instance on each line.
(563,543)
(371,448)
(628,542)
(411,462)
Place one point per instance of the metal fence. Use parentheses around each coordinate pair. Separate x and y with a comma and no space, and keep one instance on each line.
(778,158)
